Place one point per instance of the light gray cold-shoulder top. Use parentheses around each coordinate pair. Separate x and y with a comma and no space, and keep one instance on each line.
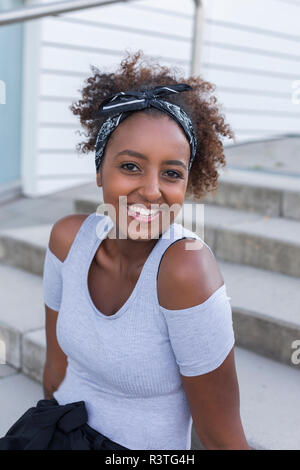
(126,367)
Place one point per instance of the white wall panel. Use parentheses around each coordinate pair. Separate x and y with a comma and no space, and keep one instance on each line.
(75,60)
(267,14)
(223,54)
(62,85)
(53,138)
(249,36)
(57,112)
(52,184)
(82,35)
(263,103)
(238,77)
(65,163)
(183,7)
(148,21)
(270,124)
(251,53)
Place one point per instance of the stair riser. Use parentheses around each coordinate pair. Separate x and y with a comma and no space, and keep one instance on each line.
(86,207)
(254,199)
(22,353)
(12,341)
(260,252)
(264,336)
(33,360)
(249,249)
(267,201)
(291,205)
(22,255)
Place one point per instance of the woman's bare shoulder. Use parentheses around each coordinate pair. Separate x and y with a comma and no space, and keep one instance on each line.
(63,234)
(187,276)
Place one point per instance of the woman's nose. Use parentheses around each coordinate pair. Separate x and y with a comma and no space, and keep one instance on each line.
(151,189)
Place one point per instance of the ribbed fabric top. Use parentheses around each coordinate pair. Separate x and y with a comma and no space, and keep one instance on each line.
(126,366)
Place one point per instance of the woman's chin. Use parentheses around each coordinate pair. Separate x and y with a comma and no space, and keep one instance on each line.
(138,230)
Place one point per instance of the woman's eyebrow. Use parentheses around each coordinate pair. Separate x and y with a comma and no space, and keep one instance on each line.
(133,153)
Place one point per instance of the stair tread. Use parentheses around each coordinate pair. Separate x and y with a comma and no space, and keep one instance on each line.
(269,401)
(236,220)
(21,302)
(262,180)
(33,235)
(274,295)
(18,393)
(275,228)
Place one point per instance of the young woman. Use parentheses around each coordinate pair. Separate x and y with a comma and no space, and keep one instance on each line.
(139,327)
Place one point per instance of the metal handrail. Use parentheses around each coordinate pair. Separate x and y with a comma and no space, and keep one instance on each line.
(39,11)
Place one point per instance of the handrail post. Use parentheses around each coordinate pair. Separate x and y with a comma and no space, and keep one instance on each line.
(197,37)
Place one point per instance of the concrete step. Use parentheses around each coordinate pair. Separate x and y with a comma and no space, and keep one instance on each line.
(269,407)
(277,155)
(34,354)
(17,394)
(267,194)
(239,236)
(21,309)
(265,305)
(270,243)
(24,247)
(269,395)
(265,310)
(272,195)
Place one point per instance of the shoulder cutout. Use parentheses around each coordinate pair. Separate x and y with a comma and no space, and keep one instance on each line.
(63,234)
(187,277)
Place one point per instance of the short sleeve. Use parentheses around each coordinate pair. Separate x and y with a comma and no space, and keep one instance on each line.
(52,280)
(201,336)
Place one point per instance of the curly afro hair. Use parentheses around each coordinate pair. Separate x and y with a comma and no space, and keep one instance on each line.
(200,104)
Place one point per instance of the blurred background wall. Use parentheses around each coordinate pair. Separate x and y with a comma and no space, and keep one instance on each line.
(250,50)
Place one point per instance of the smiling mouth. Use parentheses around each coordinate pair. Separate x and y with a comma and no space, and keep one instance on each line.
(146,216)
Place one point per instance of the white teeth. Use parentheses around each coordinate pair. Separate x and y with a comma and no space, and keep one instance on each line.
(142,211)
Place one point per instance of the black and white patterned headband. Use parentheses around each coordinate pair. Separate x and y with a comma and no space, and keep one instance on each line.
(120,105)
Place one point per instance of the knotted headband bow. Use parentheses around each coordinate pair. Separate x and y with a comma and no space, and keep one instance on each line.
(120,106)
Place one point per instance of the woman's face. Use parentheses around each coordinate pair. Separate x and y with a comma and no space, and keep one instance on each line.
(146,164)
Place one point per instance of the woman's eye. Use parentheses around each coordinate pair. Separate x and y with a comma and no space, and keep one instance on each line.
(178,175)
(128,164)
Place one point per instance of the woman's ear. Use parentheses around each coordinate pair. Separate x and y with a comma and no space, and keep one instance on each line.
(98,178)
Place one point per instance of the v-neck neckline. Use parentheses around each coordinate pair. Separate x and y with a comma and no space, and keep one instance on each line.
(107,227)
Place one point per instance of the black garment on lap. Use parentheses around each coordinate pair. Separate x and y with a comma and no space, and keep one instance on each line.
(49,425)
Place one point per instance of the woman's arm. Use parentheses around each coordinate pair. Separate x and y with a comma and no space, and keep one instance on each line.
(61,238)
(215,407)
(187,278)
(56,361)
